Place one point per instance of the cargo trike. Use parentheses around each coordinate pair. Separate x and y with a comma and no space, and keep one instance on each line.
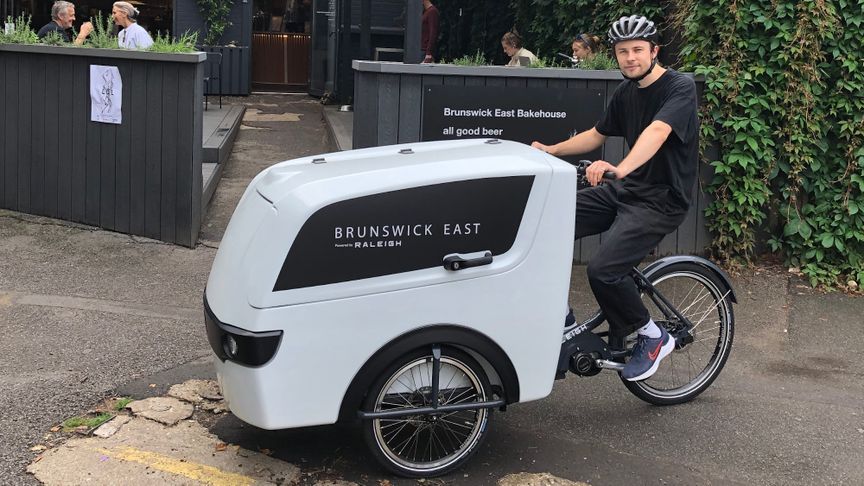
(416,288)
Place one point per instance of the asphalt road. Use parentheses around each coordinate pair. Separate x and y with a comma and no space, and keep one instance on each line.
(87,313)
(787,409)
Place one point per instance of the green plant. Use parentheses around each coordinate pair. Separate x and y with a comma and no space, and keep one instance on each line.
(54,39)
(784,106)
(215,13)
(21,32)
(600,61)
(89,422)
(478,59)
(121,403)
(102,36)
(542,62)
(164,43)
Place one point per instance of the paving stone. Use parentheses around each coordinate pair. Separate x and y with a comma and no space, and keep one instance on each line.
(112,426)
(537,479)
(196,391)
(165,410)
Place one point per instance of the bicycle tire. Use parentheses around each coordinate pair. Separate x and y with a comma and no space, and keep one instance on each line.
(698,294)
(406,381)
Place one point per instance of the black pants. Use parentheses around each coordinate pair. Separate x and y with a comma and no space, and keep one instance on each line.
(634,227)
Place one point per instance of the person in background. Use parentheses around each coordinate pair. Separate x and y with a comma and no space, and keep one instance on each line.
(133,36)
(62,18)
(584,47)
(429,31)
(519,56)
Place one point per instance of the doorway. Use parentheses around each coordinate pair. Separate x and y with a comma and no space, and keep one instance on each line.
(280,44)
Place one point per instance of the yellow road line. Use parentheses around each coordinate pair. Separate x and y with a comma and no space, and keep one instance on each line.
(199,472)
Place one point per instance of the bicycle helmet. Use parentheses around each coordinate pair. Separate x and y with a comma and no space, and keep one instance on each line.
(634,27)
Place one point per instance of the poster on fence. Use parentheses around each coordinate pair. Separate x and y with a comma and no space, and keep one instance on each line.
(106,94)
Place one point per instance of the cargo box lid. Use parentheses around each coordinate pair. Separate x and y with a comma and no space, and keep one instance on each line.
(395,161)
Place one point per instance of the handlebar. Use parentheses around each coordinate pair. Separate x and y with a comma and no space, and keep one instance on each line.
(582,165)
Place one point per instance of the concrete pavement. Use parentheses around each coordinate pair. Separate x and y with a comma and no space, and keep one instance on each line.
(85,314)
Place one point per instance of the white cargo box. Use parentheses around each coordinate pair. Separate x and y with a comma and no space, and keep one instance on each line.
(331,261)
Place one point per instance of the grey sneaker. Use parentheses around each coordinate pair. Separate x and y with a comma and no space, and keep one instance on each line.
(646,356)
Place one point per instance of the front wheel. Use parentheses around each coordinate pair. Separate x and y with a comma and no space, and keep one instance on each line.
(699,296)
(421,446)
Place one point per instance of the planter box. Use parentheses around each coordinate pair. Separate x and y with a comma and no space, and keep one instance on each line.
(389,108)
(141,177)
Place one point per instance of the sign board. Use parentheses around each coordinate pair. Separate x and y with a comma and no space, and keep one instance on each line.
(106,94)
(548,115)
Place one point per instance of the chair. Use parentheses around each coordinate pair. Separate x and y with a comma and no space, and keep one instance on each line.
(214,67)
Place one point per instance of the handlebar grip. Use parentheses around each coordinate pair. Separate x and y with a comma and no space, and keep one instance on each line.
(583,164)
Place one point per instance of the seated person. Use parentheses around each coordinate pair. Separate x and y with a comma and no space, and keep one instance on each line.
(133,36)
(585,47)
(62,18)
(519,56)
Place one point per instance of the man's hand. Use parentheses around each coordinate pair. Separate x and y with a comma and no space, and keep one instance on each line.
(545,148)
(428,59)
(86,28)
(594,172)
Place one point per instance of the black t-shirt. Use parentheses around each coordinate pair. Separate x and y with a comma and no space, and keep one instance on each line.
(53,27)
(666,181)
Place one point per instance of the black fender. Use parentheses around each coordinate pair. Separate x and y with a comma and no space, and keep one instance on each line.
(707,264)
(426,336)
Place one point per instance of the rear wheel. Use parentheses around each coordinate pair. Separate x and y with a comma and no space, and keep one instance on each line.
(699,296)
(434,444)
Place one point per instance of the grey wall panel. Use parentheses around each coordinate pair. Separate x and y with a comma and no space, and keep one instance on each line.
(168,188)
(230,75)
(52,140)
(433,80)
(579,83)
(123,154)
(454,81)
(475,81)
(153,163)
(10,132)
(80,120)
(410,97)
(365,132)
(107,173)
(37,137)
(388,102)
(138,149)
(65,141)
(3,134)
(515,82)
(537,83)
(92,167)
(493,81)
(185,125)
(25,143)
